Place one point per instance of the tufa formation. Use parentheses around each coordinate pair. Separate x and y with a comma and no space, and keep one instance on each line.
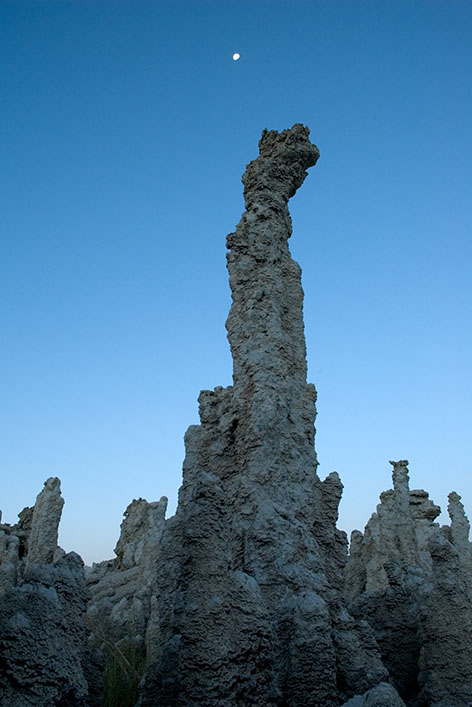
(247,595)
(249,609)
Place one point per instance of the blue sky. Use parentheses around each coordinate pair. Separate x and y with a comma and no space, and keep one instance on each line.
(125,129)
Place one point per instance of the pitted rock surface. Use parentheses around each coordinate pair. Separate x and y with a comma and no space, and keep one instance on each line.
(247,596)
(411,580)
(124,589)
(45,657)
(249,609)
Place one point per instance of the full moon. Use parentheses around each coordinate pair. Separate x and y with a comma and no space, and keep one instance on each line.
(236,56)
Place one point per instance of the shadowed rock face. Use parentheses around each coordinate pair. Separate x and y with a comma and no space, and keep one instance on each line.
(33,540)
(44,654)
(248,610)
(412,581)
(244,597)
(123,590)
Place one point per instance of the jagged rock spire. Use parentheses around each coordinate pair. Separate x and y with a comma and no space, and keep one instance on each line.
(460,526)
(249,610)
(242,597)
(412,581)
(265,324)
(45,659)
(45,523)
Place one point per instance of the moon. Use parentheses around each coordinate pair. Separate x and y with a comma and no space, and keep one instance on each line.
(236,56)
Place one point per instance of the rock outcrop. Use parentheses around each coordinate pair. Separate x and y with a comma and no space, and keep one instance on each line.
(411,580)
(33,540)
(44,651)
(249,608)
(246,596)
(123,590)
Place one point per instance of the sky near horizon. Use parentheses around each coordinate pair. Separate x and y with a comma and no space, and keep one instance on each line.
(125,129)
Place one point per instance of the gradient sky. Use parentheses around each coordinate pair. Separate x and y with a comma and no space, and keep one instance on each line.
(125,129)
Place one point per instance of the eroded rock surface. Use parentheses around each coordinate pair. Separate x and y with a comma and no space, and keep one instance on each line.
(383,695)
(124,589)
(249,610)
(44,649)
(33,540)
(246,596)
(411,580)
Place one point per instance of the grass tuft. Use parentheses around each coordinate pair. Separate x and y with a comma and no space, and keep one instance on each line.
(124,667)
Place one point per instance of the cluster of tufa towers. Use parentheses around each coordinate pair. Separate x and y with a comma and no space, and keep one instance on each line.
(247,595)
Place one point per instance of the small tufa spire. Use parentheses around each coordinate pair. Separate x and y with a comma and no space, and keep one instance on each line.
(400,475)
(42,543)
(460,525)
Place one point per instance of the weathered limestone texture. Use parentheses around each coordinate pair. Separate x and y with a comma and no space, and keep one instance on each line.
(251,566)
(33,540)
(246,597)
(123,589)
(44,652)
(42,541)
(383,695)
(411,580)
